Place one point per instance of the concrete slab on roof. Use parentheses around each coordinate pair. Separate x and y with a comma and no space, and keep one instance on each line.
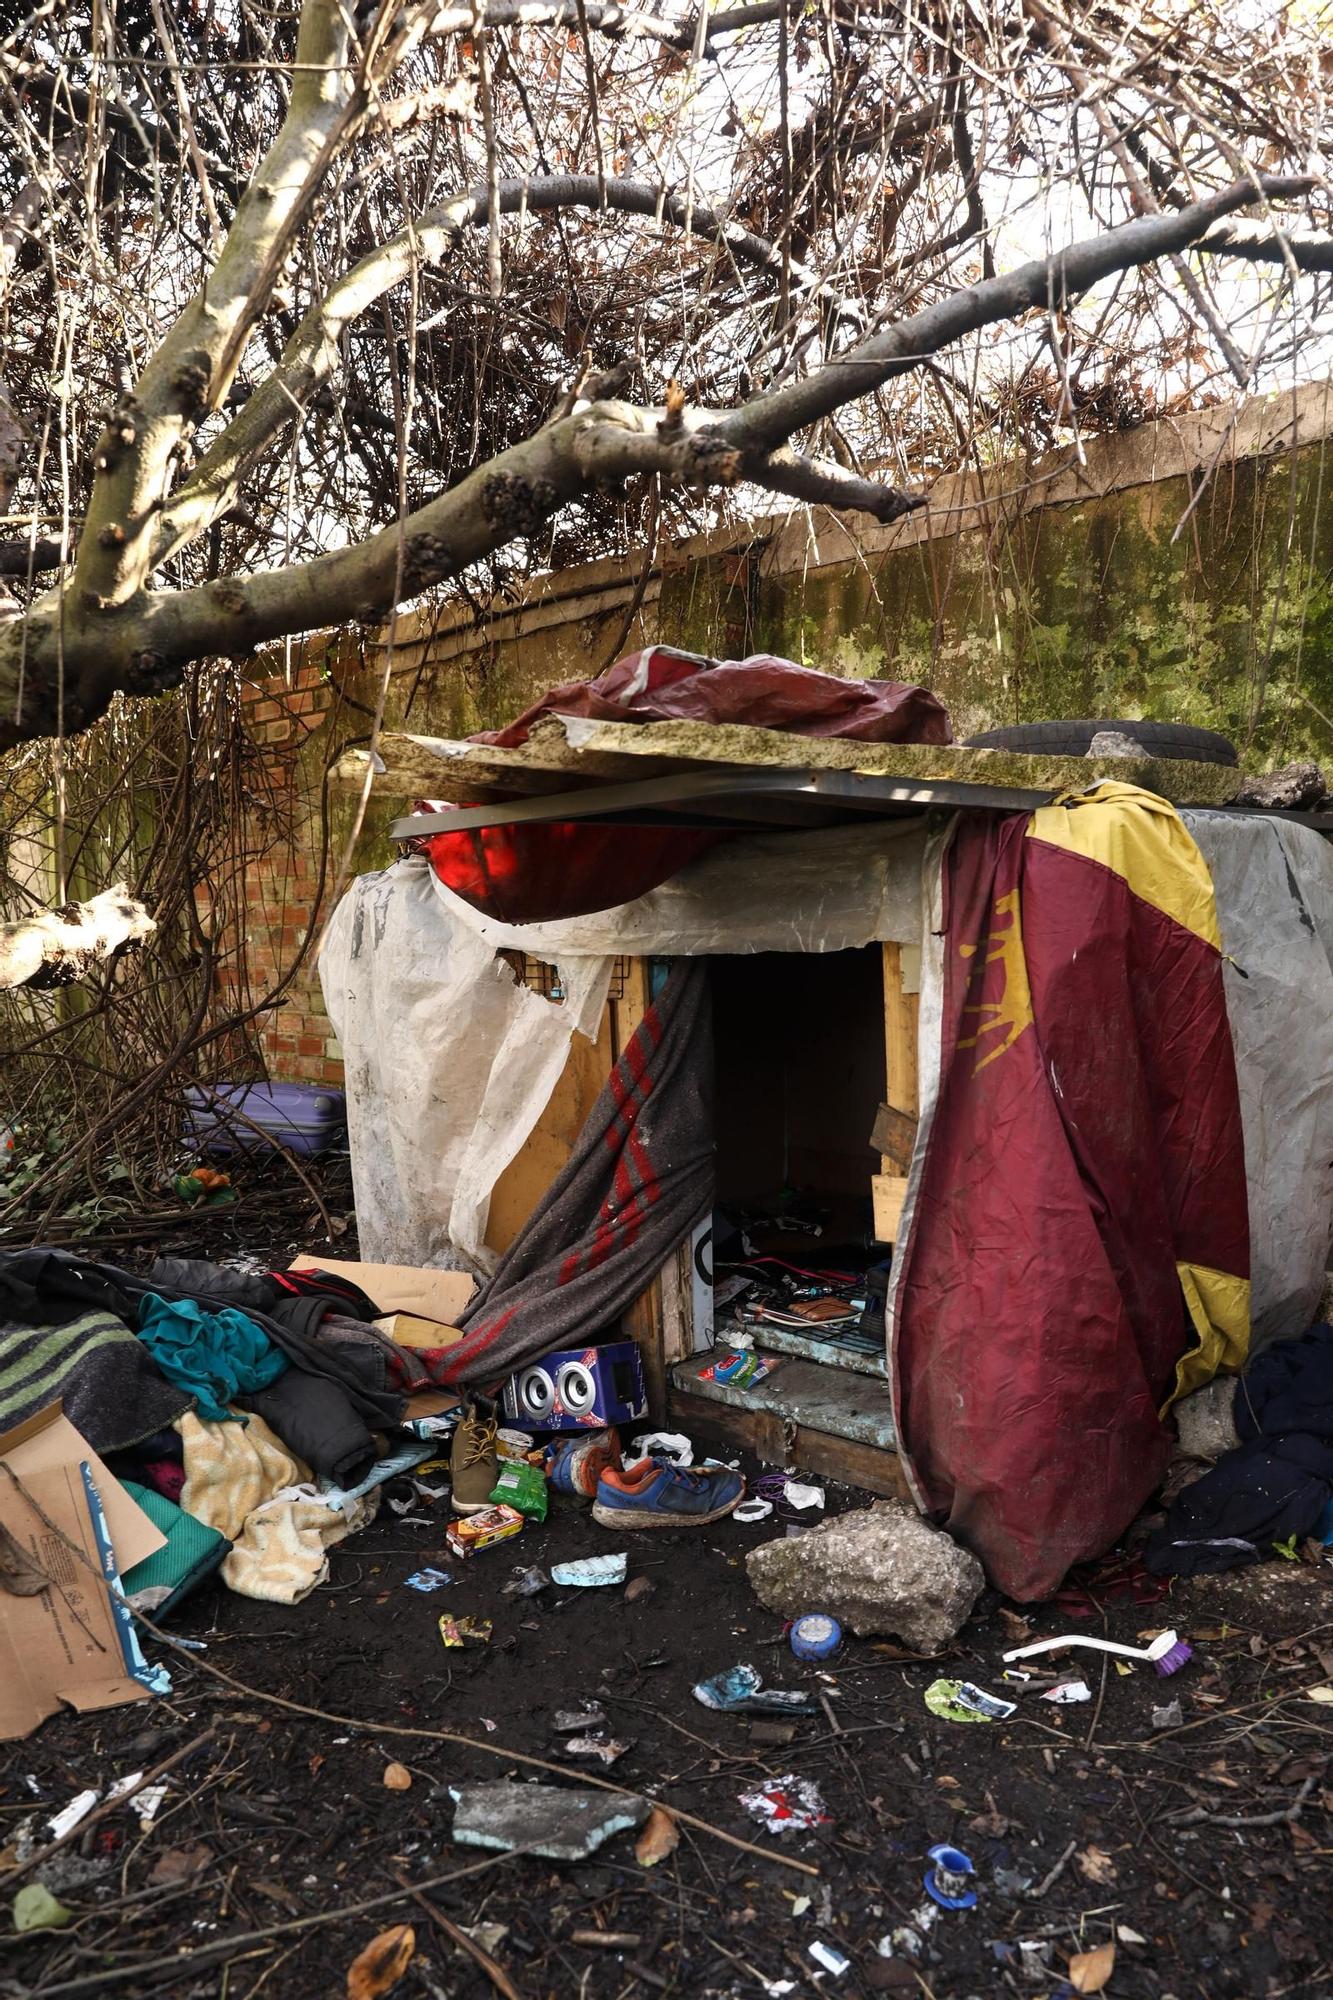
(565,750)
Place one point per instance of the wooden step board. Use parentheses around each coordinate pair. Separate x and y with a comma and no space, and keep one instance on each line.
(822,1420)
(821,1349)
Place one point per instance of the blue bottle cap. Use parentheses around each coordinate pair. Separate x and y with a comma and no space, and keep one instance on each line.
(816,1636)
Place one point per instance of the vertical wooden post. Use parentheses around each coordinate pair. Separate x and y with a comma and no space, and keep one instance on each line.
(901,1094)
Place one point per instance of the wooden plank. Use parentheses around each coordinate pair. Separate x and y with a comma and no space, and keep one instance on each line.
(900,1036)
(888,1192)
(643,1323)
(763,1433)
(893,1137)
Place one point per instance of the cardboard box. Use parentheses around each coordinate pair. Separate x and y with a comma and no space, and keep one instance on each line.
(410,1330)
(441,1296)
(63,1645)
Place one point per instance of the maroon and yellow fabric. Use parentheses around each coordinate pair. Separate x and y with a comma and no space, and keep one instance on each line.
(1076,1249)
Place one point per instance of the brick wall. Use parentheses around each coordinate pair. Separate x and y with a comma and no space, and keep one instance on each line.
(288,715)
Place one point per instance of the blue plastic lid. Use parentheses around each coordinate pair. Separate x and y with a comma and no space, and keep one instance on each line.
(816,1636)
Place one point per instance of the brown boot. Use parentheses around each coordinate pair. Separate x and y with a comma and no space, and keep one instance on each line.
(472,1458)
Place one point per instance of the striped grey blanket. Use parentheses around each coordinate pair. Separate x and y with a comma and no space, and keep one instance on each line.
(112,1390)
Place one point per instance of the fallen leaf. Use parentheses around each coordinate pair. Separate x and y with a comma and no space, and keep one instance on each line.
(397,1778)
(274,1892)
(382,1964)
(178,1864)
(1319,1694)
(19,1574)
(1095,1865)
(1090,1970)
(1017,1629)
(660,1837)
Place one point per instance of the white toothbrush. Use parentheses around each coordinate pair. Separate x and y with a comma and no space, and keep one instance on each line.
(1168,1652)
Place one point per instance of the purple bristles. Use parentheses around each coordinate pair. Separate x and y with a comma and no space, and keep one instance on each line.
(1174,1658)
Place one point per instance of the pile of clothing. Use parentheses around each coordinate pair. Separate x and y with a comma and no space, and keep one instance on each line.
(1274,1486)
(246,1412)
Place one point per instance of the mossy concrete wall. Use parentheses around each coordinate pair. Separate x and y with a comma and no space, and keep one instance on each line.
(1182,572)
(1111,608)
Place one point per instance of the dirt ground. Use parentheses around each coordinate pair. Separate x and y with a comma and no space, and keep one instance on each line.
(1200,1850)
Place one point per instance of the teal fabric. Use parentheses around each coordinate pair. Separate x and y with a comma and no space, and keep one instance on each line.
(217,1356)
(193,1551)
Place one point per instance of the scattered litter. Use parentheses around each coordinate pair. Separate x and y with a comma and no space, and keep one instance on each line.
(786,1805)
(960,1701)
(36,1909)
(740,1371)
(829,1957)
(660,1837)
(146,1804)
(466,1631)
(949,1878)
(741,1691)
(1170,1716)
(397,1778)
(1090,1970)
(752,1510)
(639,1589)
(522,1487)
(1167,1652)
(663,1444)
(797,1495)
(489,1936)
(527,1583)
(555,1821)
(815,1637)
(513,1444)
(1012,1883)
(1068,1692)
(482,1530)
(591,1572)
(602,1749)
(1126,1936)
(569,1721)
(69,1816)
(428,1579)
(777,1733)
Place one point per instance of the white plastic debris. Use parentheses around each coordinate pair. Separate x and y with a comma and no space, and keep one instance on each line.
(663,1444)
(78,1809)
(798,1495)
(1068,1692)
(786,1805)
(592,1571)
(830,1958)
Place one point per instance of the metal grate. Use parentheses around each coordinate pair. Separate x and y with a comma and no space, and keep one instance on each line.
(544,978)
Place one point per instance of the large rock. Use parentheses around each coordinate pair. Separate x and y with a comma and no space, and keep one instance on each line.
(881,1569)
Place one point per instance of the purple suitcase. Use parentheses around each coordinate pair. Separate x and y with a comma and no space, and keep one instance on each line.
(306,1118)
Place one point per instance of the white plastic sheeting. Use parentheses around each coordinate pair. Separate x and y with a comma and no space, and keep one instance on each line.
(831,889)
(1273,880)
(449,1064)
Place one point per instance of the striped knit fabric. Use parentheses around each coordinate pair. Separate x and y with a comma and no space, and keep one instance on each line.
(111,1389)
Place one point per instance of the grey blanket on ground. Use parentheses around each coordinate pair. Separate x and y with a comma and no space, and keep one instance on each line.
(112,1390)
(637,1182)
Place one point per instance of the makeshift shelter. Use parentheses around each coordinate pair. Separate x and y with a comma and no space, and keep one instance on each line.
(1083,1004)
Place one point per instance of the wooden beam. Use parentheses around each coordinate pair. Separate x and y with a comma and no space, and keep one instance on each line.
(764,1433)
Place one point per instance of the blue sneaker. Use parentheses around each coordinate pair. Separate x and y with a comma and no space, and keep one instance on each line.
(657,1494)
(575,1464)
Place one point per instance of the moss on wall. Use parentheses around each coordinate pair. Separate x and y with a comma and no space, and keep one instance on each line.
(1112,608)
